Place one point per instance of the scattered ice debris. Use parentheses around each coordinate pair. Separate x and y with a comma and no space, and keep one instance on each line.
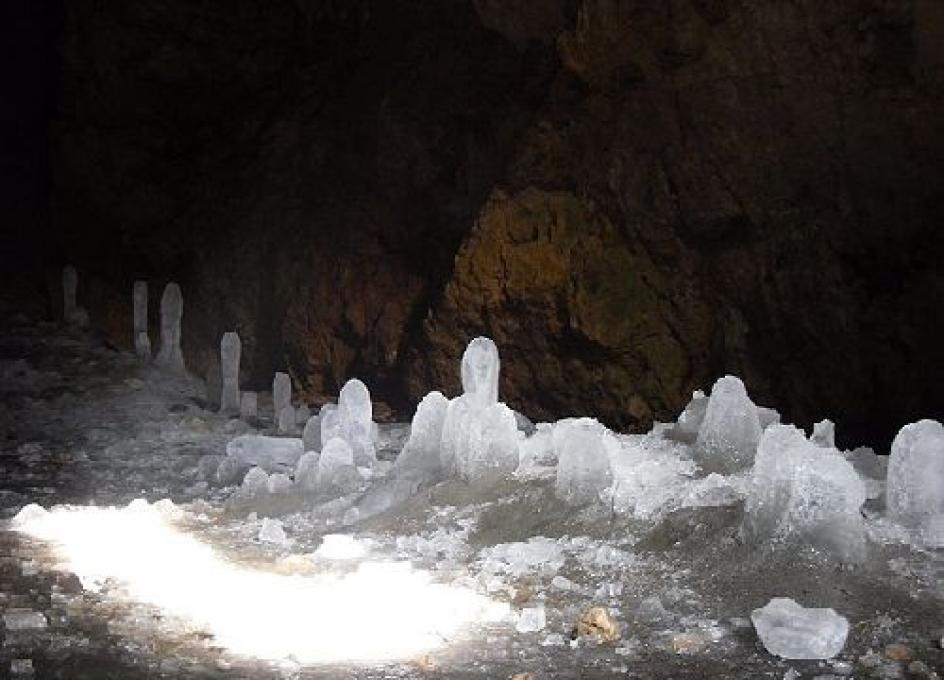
(583,467)
(730,431)
(20,618)
(172,310)
(271,531)
(791,631)
(230,350)
(800,491)
(531,620)
(355,418)
(249,405)
(139,300)
(915,493)
(281,393)
(537,555)
(824,434)
(340,547)
(599,624)
(273,454)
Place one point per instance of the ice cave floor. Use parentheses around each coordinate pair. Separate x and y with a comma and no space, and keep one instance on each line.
(509,565)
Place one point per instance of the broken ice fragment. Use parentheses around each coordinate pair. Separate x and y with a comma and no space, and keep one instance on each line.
(139,298)
(172,311)
(915,489)
(791,631)
(230,350)
(728,436)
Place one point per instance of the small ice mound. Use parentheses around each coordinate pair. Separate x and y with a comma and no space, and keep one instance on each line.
(689,422)
(272,532)
(800,491)
(824,434)
(421,452)
(583,463)
(791,631)
(337,474)
(355,413)
(311,435)
(490,452)
(915,490)
(330,423)
(272,454)
(480,368)
(29,514)
(730,431)
(531,620)
(306,473)
(340,547)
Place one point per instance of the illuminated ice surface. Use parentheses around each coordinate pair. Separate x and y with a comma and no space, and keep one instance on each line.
(253,572)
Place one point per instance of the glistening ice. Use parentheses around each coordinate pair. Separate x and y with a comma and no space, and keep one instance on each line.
(378,611)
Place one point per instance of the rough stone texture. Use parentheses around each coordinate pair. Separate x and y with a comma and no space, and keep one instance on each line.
(631,198)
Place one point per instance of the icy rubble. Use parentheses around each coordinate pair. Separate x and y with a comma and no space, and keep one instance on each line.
(800,490)
(915,492)
(791,631)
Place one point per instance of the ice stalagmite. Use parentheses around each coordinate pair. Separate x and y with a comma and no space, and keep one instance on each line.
(728,436)
(172,311)
(230,350)
(139,300)
(915,492)
(420,455)
(355,413)
(281,393)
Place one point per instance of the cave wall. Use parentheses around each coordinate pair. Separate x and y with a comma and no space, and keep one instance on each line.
(630,197)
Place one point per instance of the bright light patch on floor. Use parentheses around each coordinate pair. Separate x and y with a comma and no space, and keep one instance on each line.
(379,611)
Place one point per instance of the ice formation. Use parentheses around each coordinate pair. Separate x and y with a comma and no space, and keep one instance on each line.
(248,404)
(139,299)
(800,491)
(281,393)
(479,370)
(272,454)
(915,491)
(791,631)
(355,418)
(311,434)
(689,422)
(306,473)
(421,452)
(230,349)
(730,431)
(336,472)
(172,311)
(824,434)
(330,423)
(583,463)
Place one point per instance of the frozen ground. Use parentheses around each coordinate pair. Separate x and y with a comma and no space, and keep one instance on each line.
(461,580)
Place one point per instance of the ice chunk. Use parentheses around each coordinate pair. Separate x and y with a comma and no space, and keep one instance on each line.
(306,473)
(281,393)
(800,491)
(172,311)
(139,301)
(824,434)
(311,435)
(421,452)
(337,474)
(355,413)
(272,532)
(287,419)
(330,423)
(791,631)
(248,404)
(583,463)
(689,422)
(230,350)
(915,491)
(531,620)
(728,436)
(19,618)
(273,454)
(480,368)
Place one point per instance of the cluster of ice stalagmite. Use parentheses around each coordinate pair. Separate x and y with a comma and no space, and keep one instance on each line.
(915,493)
(140,338)
(172,310)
